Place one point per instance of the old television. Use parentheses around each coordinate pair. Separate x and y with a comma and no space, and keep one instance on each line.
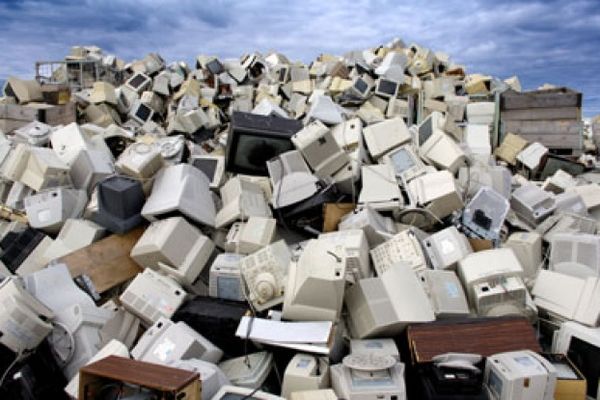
(89,168)
(140,160)
(384,136)
(446,248)
(385,305)
(493,282)
(404,247)
(241,200)
(181,189)
(368,377)
(315,285)
(575,254)
(166,342)
(446,293)
(50,209)
(353,247)
(582,345)
(291,178)
(255,139)
(305,372)
(380,188)
(151,295)
(211,166)
(249,371)
(225,280)
(519,375)
(265,275)
(176,248)
(120,200)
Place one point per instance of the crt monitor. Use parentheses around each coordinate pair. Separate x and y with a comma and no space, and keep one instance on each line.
(211,166)
(255,139)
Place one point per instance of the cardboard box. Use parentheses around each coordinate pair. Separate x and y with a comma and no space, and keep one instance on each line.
(567,388)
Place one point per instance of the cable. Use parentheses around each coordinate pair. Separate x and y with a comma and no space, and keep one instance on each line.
(252,393)
(11,366)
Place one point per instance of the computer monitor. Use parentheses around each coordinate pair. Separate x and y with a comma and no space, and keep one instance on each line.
(15,162)
(35,133)
(438,149)
(228,392)
(380,189)
(211,166)
(291,178)
(320,394)
(387,88)
(320,149)
(250,236)
(402,247)
(241,200)
(384,306)
(376,227)
(362,86)
(140,160)
(166,342)
(493,282)
(437,192)
(532,204)
(50,209)
(575,254)
(172,148)
(249,372)
(315,285)
(407,165)
(225,280)
(139,83)
(255,139)
(68,141)
(140,112)
(44,170)
(368,377)
(353,245)
(211,376)
(446,293)
(120,200)
(527,246)
(531,157)
(519,375)
(151,296)
(578,298)
(181,189)
(384,136)
(348,134)
(89,168)
(305,372)
(379,347)
(582,345)
(24,320)
(446,248)
(74,235)
(265,274)
(484,215)
(176,248)
(17,246)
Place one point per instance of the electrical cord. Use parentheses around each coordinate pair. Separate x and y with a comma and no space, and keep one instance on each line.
(11,366)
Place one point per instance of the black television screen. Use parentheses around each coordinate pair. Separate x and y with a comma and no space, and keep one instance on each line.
(143,112)
(425,131)
(387,87)
(137,81)
(215,67)
(361,86)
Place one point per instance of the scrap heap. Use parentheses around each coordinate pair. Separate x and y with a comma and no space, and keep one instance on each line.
(256,220)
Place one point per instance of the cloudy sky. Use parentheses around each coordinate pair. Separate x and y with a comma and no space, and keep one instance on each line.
(540,41)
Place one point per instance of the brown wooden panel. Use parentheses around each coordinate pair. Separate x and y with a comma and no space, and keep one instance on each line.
(107,261)
(568,113)
(560,97)
(333,213)
(17,112)
(480,336)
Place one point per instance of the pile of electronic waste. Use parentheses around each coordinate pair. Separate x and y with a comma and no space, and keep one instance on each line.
(294,226)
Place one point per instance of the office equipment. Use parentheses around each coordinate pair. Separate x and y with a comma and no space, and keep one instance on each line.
(527,246)
(520,375)
(578,298)
(570,382)
(315,286)
(362,86)
(402,247)
(24,320)
(139,160)
(319,148)
(234,392)
(437,192)
(68,141)
(122,326)
(439,149)
(49,210)
(241,200)
(181,189)
(120,200)
(250,236)
(139,82)
(384,136)
(407,165)
(474,177)
(510,147)
(255,139)
(35,133)
(477,140)
(137,378)
(493,282)
(385,305)
(225,277)
(74,235)
(291,179)
(575,254)
(176,248)
(151,296)
(582,345)
(249,372)
(320,394)
(348,134)
(532,203)
(44,170)
(305,372)
(386,88)
(16,247)
(531,157)
(483,336)
(379,347)
(453,376)
(89,168)
(376,227)
(211,377)
(379,188)
(166,342)
(212,166)
(265,273)
(484,215)
(447,247)
(368,377)
(352,246)
(445,292)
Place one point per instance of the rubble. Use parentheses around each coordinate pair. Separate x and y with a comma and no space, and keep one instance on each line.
(376,225)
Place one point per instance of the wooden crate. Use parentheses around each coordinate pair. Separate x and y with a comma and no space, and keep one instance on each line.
(558,134)
(55,115)
(170,383)
(552,98)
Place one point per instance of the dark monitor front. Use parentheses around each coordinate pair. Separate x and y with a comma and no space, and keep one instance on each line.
(8,91)
(586,358)
(361,86)
(387,87)
(207,166)
(215,67)
(253,152)
(425,130)
(137,81)
(143,112)
(402,160)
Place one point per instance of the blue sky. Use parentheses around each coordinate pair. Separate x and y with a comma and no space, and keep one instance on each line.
(540,41)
